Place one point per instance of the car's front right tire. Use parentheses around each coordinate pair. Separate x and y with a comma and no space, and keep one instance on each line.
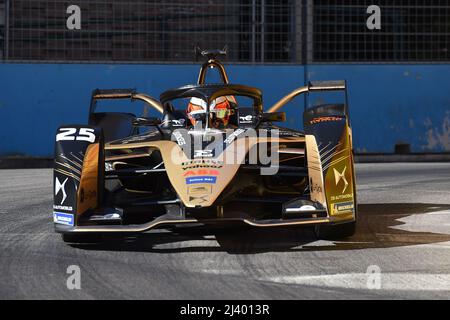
(335,232)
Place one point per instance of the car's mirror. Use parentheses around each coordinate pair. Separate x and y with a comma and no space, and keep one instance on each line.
(146,121)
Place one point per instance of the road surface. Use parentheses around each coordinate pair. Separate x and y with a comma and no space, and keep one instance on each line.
(403,232)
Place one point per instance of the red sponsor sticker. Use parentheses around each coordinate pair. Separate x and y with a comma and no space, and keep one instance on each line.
(201,172)
(325,119)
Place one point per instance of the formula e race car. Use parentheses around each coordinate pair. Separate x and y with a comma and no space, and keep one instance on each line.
(211,156)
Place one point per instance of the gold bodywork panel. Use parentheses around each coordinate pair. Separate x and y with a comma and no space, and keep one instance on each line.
(196,193)
(315,173)
(339,181)
(87,193)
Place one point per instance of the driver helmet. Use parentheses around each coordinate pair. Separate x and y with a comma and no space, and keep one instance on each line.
(220,110)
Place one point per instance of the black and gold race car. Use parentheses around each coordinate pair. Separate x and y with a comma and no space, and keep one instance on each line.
(211,156)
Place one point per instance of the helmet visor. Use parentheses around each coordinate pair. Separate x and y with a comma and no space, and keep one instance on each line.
(198,115)
(221,113)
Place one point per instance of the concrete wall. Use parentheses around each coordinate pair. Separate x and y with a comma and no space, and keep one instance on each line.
(389,103)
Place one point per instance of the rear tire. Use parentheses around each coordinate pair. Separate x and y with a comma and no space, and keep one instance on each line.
(335,232)
(81,238)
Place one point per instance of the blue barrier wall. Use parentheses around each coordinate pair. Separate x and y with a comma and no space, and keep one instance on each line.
(389,103)
(392,104)
(36,98)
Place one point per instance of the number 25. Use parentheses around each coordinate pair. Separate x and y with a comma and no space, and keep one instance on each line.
(84,134)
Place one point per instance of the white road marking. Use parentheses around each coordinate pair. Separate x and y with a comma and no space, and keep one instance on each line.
(319,243)
(187,244)
(222,272)
(438,245)
(326,243)
(389,281)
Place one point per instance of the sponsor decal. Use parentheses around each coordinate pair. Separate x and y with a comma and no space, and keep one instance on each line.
(201,179)
(201,172)
(64,208)
(338,176)
(246,119)
(203,153)
(199,190)
(61,187)
(179,137)
(340,197)
(203,163)
(342,207)
(233,135)
(314,187)
(178,123)
(325,119)
(63,218)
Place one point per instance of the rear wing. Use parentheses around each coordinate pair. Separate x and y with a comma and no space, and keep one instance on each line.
(335,85)
(113,94)
(313,86)
(98,94)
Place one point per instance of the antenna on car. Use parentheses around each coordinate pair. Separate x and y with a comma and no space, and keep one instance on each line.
(212,61)
(210,54)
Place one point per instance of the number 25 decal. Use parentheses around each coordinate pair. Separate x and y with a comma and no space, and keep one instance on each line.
(84,134)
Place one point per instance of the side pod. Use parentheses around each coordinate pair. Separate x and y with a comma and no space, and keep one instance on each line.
(330,125)
(78,173)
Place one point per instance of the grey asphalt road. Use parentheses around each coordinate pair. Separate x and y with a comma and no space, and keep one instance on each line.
(403,232)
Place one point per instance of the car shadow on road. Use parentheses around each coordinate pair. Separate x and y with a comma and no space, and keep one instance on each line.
(375,229)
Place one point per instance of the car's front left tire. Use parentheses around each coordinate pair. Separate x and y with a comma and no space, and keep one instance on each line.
(81,238)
